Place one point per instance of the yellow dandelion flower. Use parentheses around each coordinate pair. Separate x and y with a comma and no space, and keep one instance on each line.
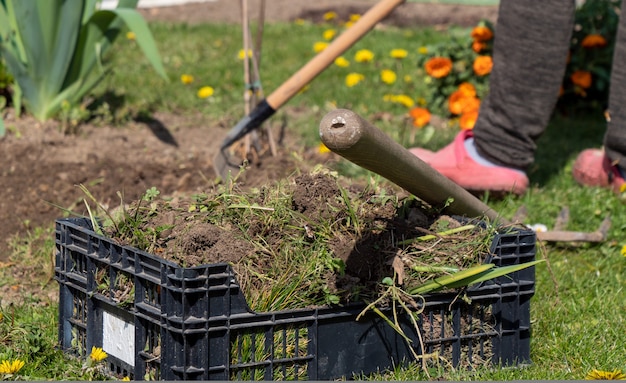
(422,50)
(323,148)
(131,35)
(623,251)
(348,24)
(186,78)
(242,54)
(354,78)
(342,62)
(1,317)
(97,354)
(11,367)
(605,375)
(405,100)
(622,188)
(388,76)
(408,79)
(402,99)
(329,34)
(331,15)
(126,379)
(205,92)
(299,21)
(398,53)
(355,17)
(363,55)
(319,46)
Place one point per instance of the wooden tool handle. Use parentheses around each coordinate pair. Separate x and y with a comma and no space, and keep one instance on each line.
(347,134)
(326,57)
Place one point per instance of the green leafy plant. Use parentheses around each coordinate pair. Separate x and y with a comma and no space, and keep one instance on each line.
(54,49)
(457,72)
(587,77)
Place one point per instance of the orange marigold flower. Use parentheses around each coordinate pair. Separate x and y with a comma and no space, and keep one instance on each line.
(582,78)
(470,104)
(468,89)
(468,120)
(478,46)
(481,33)
(455,102)
(594,41)
(483,65)
(421,116)
(438,67)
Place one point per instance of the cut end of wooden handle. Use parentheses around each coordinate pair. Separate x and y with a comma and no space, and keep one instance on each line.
(340,129)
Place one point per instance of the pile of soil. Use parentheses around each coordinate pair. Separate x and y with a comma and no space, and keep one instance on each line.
(342,237)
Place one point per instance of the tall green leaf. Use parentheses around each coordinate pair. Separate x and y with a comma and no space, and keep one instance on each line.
(54,48)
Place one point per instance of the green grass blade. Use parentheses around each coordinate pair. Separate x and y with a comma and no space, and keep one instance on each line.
(504,270)
(451,280)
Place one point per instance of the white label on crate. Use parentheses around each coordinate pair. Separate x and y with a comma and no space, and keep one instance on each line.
(118,338)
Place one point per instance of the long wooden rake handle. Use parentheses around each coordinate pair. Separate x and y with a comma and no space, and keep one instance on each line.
(347,134)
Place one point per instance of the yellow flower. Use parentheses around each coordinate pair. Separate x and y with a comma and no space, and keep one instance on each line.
(329,34)
(7,367)
(319,46)
(348,24)
(186,78)
(1,317)
(355,17)
(398,53)
(330,15)
(126,379)
(422,50)
(205,92)
(623,251)
(354,78)
(388,76)
(299,21)
(399,99)
(605,375)
(342,62)
(130,35)
(364,55)
(97,354)
(242,54)
(622,188)
(323,148)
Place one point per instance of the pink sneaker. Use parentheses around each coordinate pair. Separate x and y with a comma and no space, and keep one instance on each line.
(453,162)
(593,168)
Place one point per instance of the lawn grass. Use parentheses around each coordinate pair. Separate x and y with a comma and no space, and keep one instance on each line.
(578,310)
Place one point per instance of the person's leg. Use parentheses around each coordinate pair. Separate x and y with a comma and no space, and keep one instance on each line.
(530,55)
(607,168)
(615,138)
(530,52)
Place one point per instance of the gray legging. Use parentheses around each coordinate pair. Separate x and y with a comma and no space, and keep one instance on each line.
(530,53)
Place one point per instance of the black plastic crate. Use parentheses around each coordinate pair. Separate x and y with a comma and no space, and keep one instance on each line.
(157,320)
